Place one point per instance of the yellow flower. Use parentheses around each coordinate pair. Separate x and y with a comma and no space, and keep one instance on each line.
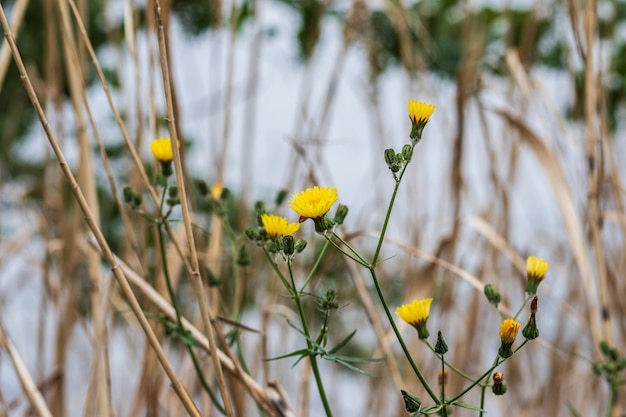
(536,269)
(508,333)
(508,330)
(419,113)
(416,314)
(216,190)
(313,203)
(162,150)
(278,226)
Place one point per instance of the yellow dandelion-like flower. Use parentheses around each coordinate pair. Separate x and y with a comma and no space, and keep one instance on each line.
(162,150)
(419,113)
(313,203)
(536,269)
(278,226)
(216,190)
(508,330)
(416,314)
(508,333)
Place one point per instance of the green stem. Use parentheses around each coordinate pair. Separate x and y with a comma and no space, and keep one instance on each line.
(305,329)
(479,379)
(483,389)
(316,265)
(357,256)
(181,327)
(444,411)
(528,298)
(449,365)
(417,371)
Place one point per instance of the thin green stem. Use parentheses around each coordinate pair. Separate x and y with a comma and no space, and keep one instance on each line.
(389,209)
(316,265)
(444,411)
(448,364)
(346,254)
(181,327)
(479,379)
(483,389)
(357,256)
(526,300)
(417,371)
(312,358)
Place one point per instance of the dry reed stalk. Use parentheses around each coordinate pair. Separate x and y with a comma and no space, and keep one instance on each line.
(102,243)
(195,272)
(595,159)
(18,10)
(28,385)
(255,390)
(250,112)
(86,180)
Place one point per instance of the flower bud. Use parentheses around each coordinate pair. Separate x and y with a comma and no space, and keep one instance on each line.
(499,386)
(288,245)
(341,213)
(492,294)
(243,257)
(441,347)
(202,187)
(129,194)
(412,403)
(300,245)
(390,157)
(407,153)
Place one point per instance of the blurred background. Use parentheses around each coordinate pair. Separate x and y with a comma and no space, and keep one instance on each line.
(523,156)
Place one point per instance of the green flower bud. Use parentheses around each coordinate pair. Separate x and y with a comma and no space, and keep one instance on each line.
(243,257)
(323,224)
(288,245)
(412,403)
(172,192)
(441,347)
(300,245)
(407,153)
(137,200)
(530,331)
(202,187)
(280,197)
(493,296)
(390,157)
(341,213)
(129,194)
(329,302)
(499,386)
(252,234)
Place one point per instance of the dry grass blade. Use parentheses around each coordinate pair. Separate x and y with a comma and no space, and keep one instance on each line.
(30,389)
(19,8)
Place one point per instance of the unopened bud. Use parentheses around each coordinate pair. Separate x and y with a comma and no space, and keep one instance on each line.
(492,294)
(499,387)
(300,245)
(341,213)
(412,403)
(440,347)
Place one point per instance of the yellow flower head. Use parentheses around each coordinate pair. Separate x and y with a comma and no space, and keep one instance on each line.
(278,226)
(162,150)
(313,203)
(416,314)
(536,269)
(216,190)
(508,331)
(419,113)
